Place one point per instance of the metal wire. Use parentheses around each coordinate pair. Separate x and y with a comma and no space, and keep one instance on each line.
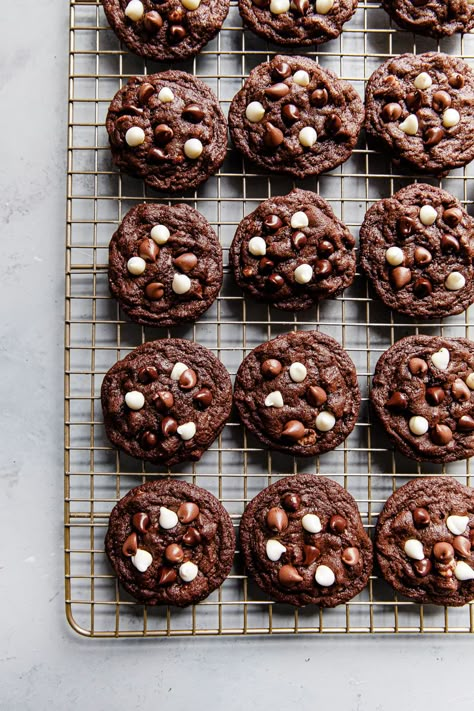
(236,467)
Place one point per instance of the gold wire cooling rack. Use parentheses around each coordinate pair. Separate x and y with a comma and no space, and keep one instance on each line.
(236,467)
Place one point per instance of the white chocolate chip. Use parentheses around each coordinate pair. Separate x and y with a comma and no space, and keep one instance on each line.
(278,7)
(311,523)
(463,571)
(142,560)
(418,425)
(451,117)
(136,266)
(274,399)
(255,112)
(394,256)
(323,6)
(301,77)
(455,281)
(181,284)
(423,81)
(457,524)
(160,234)
(307,136)
(135,136)
(325,421)
(470,377)
(191,4)
(410,125)
(188,571)
(324,576)
(274,549)
(135,10)
(193,148)
(178,370)
(257,246)
(299,220)
(187,431)
(303,273)
(165,95)
(168,519)
(414,549)
(441,358)
(428,215)
(134,400)
(298,372)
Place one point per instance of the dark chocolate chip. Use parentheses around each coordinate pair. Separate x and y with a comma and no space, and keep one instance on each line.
(290,113)
(422,256)
(319,97)
(145,92)
(174,553)
(193,113)
(169,426)
(166,576)
(291,501)
(311,553)
(405,226)
(441,100)
(277,520)
(465,423)
(417,366)
(322,268)
(148,250)
(185,262)
(188,511)
(187,379)
(441,434)
(261,3)
(433,135)
(157,155)
(422,567)
(248,272)
(176,15)
(413,100)
(462,546)
(272,137)
(337,524)
(163,401)
(277,91)
(316,396)
(350,556)
(325,248)
(443,551)
(400,277)
(148,440)
(289,576)
(294,430)
(270,368)
(147,374)
(176,33)
(129,109)
(163,134)
(301,6)
(452,216)
(266,265)
(192,537)
(203,398)
(274,282)
(298,239)
(154,290)
(130,546)
(449,243)
(272,223)
(435,395)
(422,287)
(141,522)
(421,517)
(391,112)
(460,390)
(456,81)
(333,124)
(153,21)
(280,71)
(398,401)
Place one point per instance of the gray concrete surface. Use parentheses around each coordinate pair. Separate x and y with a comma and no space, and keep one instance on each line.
(43,664)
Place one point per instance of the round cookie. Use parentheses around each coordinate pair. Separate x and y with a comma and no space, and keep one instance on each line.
(417,249)
(297,24)
(298,393)
(423,541)
(170,543)
(167,129)
(294,117)
(422,394)
(292,251)
(164,31)
(421,108)
(303,542)
(165,264)
(167,401)
(435,18)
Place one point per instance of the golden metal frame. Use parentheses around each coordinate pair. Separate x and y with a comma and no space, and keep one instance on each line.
(235,468)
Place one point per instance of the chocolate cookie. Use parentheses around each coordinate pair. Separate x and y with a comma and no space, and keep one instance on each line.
(421,108)
(294,117)
(168,129)
(293,251)
(170,543)
(304,543)
(435,18)
(423,541)
(165,264)
(167,401)
(299,23)
(422,394)
(168,30)
(298,393)
(417,249)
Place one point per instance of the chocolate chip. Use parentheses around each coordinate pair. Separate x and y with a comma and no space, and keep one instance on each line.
(435,395)
(325,248)
(391,112)
(169,426)
(400,277)
(289,576)
(193,113)
(272,223)
(187,379)
(248,272)
(188,511)
(316,396)
(452,216)
(298,239)
(398,401)
(413,101)
(277,520)
(277,91)
(166,576)
(270,368)
(337,524)
(311,553)
(145,93)
(157,155)
(148,440)
(176,33)
(174,553)
(322,268)
(290,113)
(163,401)
(192,537)
(163,134)
(130,546)
(291,501)
(462,546)
(176,15)
(274,282)
(460,391)
(185,262)
(203,398)
(294,430)
(147,374)
(449,243)
(465,423)
(405,226)
(417,366)
(261,3)
(456,81)
(301,6)
(422,256)
(265,265)
(422,287)
(333,124)
(281,70)
(421,517)
(422,567)
(272,137)
(319,98)
(129,109)
(350,556)
(154,290)
(153,21)
(441,434)
(433,136)
(443,551)
(148,250)
(441,100)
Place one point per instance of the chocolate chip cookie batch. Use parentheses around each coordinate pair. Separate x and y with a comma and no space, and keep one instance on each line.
(302,538)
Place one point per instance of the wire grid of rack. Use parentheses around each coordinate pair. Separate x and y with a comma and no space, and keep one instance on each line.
(236,467)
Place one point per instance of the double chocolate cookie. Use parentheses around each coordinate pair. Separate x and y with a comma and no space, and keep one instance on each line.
(299,23)
(298,393)
(291,116)
(435,18)
(165,264)
(421,108)
(168,129)
(417,249)
(424,539)
(304,543)
(423,395)
(170,543)
(293,251)
(167,401)
(165,30)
